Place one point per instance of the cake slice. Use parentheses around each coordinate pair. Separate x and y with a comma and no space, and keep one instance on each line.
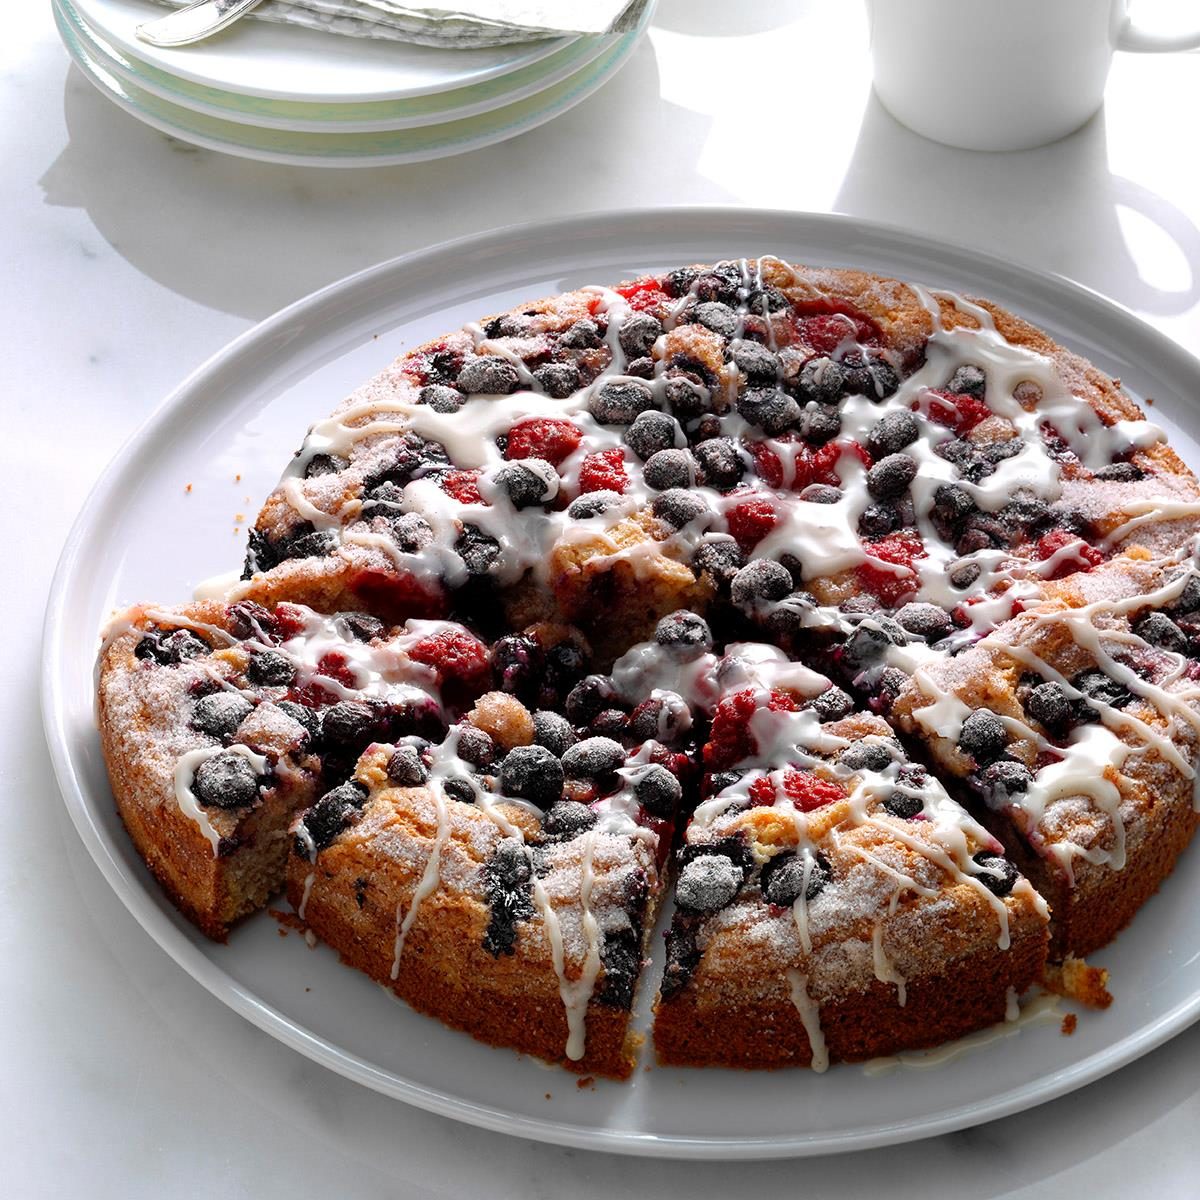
(220,722)
(1075,729)
(832,902)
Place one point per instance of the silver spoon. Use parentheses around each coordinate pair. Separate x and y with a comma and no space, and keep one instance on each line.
(195,22)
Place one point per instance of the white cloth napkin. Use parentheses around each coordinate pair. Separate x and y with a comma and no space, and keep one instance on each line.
(469,23)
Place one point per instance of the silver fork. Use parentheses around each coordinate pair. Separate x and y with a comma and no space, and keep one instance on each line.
(195,22)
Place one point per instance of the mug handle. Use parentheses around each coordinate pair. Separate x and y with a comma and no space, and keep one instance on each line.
(1130,37)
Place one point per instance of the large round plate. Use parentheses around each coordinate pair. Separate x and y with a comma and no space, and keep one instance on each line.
(227,431)
(305,117)
(261,58)
(384,147)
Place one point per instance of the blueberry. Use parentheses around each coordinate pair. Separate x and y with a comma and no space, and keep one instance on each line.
(583,335)
(678,507)
(823,380)
(782,878)
(927,621)
(687,398)
(458,788)
(269,668)
(506,878)
(892,433)
(820,425)
(685,634)
(488,375)
(707,883)
(226,780)
(529,482)
(720,318)
(821,493)
(610,723)
(220,714)
(478,550)
(720,780)
(440,398)
(720,463)
(1121,472)
(983,736)
(640,368)
(361,626)
(722,283)
(170,649)
(566,820)
(873,377)
(310,718)
(552,731)
(867,756)
(589,697)
(663,717)
(1005,779)
(532,773)
(759,583)
(516,664)
(324,464)
(658,791)
(619,402)
(592,504)
(332,813)
(1159,630)
(952,505)
(769,409)
(411,533)
(968,380)
(558,379)
(476,747)
(997,874)
(1048,703)
(966,575)
(1098,687)
(869,642)
(348,724)
(756,362)
(904,805)
(668,469)
(766,299)
(638,333)
(405,768)
(890,476)
(1188,601)
(593,758)
(652,431)
(877,520)
(832,704)
(718,557)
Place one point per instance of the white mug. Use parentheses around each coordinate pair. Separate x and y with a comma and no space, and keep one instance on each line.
(1001,74)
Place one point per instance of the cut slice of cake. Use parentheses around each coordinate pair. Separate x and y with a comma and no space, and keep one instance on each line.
(832,902)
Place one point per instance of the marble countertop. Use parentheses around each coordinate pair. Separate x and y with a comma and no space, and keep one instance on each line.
(131,257)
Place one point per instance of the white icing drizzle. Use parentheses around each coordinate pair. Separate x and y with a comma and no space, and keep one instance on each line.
(430,876)
(810,1017)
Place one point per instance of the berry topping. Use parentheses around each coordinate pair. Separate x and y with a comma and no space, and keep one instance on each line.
(805,790)
(685,634)
(583,335)
(566,820)
(891,434)
(546,438)
(707,883)
(348,724)
(750,521)
(476,747)
(406,768)
(759,583)
(891,476)
(638,333)
(604,471)
(1005,780)
(553,731)
(170,649)
(310,718)
(506,877)
(1159,630)
(1080,556)
(1102,689)
(658,791)
(968,380)
(532,773)
(589,697)
(478,550)
(226,780)
(730,739)
(867,756)
(440,398)
(756,362)
(220,714)
(832,704)
(666,469)
(926,621)
(488,375)
(594,758)
(983,736)
(592,505)
(269,668)
(782,879)
(957,410)
(1049,704)
(652,431)
(996,874)
(558,380)
(335,811)
(454,654)
(678,507)
(720,463)
(822,380)
(768,409)
(619,402)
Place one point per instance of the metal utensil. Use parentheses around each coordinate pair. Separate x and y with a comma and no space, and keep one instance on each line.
(195,22)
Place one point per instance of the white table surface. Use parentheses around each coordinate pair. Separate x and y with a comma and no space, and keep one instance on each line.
(129,258)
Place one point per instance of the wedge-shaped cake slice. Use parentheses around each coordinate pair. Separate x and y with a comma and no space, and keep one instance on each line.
(219,723)
(1075,728)
(832,902)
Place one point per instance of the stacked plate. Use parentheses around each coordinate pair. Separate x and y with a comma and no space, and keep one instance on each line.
(290,95)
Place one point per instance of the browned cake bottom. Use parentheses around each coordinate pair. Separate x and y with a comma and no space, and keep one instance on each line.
(698,1029)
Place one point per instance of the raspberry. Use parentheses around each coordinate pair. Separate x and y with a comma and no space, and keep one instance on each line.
(454,653)
(730,739)
(890,587)
(825,325)
(767,464)
(604,471)
(289,622)
(543,437)
(957,410)
(750,521)
(643,295)
(805,790)
(817,466)
(1083,557)
(463,486)
(334,665)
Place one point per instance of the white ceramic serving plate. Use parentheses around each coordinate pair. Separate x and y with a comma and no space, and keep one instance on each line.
(145,534)
(262,58)
(362,117)
(381,147)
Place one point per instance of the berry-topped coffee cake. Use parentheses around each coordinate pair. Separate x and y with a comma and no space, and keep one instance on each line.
(592,567)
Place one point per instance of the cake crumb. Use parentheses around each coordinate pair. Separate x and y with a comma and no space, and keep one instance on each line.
(547,1095)
(588,1081)
(1075,980)
(238,477)
(1068,1024)
(281,931)
(286,919)
(188,489)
